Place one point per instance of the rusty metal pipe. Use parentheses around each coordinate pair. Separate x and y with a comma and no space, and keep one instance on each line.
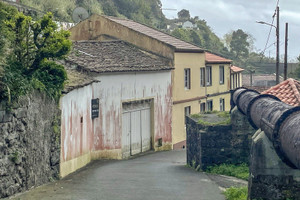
(280,121)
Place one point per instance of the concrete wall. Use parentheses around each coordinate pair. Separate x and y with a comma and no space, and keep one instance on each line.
(211,145)
(29,143)
(271,178)
(101,137)
(97,25)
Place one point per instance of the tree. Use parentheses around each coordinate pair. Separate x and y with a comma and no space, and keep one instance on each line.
(181,34)
(35,46)
(296,73)
(6,13)
(184,14)
(239,46)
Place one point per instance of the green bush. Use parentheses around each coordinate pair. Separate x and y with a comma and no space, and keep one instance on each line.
(238,171)
(52,76)
(236,193)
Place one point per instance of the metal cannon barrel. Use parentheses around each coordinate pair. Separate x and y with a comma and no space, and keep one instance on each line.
(280,121)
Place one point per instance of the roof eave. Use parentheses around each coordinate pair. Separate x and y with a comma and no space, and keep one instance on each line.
(189,50)
(218,62)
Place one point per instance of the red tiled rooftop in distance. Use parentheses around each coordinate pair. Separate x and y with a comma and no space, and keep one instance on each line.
(212,58)
(236,69)
(287,91)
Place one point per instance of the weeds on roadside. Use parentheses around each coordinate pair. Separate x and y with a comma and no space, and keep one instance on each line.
(236,193)
(239,171)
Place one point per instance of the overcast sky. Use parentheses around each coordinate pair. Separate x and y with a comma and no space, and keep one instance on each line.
(226,15)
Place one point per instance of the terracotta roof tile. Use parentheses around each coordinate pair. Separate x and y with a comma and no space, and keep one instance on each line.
(287,91)
(156,34)
(236,69)
(114,56)
(212,58)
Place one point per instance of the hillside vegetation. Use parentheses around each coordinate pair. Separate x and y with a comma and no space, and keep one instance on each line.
(147,12)
(236,45)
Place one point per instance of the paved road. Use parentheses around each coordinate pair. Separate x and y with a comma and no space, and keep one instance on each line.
(161,176)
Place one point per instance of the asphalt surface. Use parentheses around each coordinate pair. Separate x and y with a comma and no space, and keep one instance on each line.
(159,175)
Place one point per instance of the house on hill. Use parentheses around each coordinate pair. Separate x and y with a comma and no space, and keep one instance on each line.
(186,58)
(118,103)
(188,25)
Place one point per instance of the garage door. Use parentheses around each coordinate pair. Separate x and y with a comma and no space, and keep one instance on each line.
(136,129)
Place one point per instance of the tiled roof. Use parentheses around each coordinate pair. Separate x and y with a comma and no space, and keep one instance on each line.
(287,91)
(115,56)
(236,69)
(178,44)
(212,58)
(76,80)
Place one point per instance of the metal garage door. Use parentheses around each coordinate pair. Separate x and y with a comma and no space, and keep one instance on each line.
(136,128)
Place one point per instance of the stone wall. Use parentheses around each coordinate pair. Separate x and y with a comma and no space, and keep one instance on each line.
(29,143)
(213,145)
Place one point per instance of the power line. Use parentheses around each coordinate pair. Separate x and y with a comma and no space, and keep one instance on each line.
(268,38)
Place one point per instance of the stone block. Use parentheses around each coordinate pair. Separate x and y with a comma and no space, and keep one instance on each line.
(271,178)
(5,117)
(21,113)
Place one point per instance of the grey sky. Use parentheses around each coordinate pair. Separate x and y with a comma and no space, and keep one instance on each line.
(226,15)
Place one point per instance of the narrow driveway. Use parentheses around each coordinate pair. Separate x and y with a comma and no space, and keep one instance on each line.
(161,176)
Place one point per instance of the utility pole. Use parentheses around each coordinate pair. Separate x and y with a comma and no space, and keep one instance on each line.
(277,48)
(277,42)
(286,50)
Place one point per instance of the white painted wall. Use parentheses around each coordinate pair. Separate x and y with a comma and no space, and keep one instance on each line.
(115,89)
(105,132)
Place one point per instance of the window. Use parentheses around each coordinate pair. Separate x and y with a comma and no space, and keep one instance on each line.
(202,107)
(187,79)
(210,105)
(232,81)
(208,76)
(187,112)
(222,104)
(202,77)
(221,72)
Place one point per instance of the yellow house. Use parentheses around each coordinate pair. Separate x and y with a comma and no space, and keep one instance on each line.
(188,61)
(215,78)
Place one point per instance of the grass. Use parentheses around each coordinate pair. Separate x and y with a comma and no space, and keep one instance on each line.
(212,118)
(239,171)
(236,193)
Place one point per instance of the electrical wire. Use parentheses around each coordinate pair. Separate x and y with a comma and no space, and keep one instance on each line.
(268,38)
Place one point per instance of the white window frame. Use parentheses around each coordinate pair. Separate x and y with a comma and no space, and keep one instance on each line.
(187,112)
(208,70)
(202,107)
(202,76)
(221,73)
(187,78)
(222,104)
(209,105)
